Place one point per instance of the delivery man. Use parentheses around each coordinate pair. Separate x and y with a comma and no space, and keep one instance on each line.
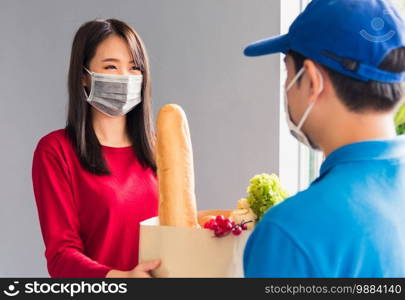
(345,61)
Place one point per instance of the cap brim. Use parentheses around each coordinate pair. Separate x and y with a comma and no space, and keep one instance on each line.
(278,44)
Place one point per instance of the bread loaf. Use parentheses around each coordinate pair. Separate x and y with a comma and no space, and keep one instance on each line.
(175,169)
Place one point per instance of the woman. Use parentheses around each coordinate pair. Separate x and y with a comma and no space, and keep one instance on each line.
(95,180)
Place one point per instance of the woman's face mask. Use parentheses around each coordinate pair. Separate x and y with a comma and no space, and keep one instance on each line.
(114,95)
(296,130)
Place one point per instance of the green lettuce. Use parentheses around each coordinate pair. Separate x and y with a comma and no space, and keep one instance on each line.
(400,120)
(265,191)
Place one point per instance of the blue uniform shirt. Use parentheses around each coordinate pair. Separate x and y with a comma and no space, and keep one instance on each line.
(350,222)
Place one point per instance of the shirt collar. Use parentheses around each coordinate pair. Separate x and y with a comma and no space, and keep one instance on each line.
(367,150)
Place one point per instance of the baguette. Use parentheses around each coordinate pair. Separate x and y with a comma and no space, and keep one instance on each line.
(175,169)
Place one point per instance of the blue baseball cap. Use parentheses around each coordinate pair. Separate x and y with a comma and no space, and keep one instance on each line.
(351,37)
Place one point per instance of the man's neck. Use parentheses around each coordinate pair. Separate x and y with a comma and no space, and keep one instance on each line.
(358,128)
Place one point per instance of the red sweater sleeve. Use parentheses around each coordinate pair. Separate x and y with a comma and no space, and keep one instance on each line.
(58,217)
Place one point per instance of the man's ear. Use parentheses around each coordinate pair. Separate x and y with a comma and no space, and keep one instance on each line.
(316,79)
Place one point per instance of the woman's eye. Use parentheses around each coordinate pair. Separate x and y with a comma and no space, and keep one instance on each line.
(110,67)
(134,68)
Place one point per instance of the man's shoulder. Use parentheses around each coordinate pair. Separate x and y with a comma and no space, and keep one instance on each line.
(308,207)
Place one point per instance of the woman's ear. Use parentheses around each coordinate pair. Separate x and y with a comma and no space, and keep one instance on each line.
(85,80)
(316,80)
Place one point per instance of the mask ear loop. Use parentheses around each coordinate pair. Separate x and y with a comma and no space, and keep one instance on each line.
(300,72)
(287,88)
(84,90)
(88,71)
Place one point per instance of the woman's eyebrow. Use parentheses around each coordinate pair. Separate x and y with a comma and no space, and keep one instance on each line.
(111,59)
(115,60)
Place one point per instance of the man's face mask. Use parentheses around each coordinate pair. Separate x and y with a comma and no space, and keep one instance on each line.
(296,130)
(114,95)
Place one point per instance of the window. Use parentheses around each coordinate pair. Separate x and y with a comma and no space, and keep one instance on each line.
(400,116)
(400,4)
(298,165)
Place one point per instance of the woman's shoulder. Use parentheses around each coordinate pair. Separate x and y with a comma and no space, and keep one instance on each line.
(54,141)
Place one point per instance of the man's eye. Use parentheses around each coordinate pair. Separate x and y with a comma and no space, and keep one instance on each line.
(110,67)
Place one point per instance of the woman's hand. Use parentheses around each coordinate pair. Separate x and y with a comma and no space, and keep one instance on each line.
(140,271)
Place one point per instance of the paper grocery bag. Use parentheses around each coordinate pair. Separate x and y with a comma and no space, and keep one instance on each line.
(189,252)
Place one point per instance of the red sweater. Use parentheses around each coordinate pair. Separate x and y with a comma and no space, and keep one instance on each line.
(90,223)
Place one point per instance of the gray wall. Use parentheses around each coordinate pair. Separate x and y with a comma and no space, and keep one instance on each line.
(197,62)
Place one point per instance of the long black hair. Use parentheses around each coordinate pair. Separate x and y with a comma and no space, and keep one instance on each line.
(79,121)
